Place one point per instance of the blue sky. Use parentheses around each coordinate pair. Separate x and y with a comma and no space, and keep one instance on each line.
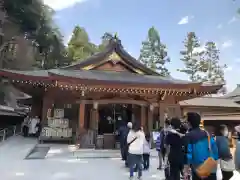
(214,20)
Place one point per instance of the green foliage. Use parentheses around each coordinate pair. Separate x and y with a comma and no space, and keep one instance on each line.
(154,54)
(25,13)
(191,57)
(79,46)
(214,72)
(34,20)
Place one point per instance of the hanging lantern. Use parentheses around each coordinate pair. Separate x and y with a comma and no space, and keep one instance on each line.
(95,105)
(151,107)
(202,124)
(82,93)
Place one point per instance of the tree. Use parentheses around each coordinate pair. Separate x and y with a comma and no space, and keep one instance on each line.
(31,20)
(79,46)
(211,66)
(154,54)
(26,14)
(191,57)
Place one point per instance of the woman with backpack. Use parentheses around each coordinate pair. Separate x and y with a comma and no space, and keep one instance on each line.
(202,151)
(135,140)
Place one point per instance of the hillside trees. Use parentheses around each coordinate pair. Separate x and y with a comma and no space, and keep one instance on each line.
(79,46)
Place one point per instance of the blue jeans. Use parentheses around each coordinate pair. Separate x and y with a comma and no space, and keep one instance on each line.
(135,160)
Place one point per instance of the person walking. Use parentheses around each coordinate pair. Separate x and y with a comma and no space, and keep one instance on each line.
(202,151)
(237,151)
(135,140)
(160,143)
(226,160)
(25,126)
(125,146)
(158,148)
(123,132)
(174,150)
(146,152)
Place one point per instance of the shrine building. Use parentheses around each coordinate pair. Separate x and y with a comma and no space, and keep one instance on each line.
(105,90)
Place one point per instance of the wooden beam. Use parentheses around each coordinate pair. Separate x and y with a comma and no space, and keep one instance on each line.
(143,117)
(114,101)
(81,117)
(150,119)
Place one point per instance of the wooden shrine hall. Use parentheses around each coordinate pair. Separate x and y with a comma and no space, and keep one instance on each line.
(106,90)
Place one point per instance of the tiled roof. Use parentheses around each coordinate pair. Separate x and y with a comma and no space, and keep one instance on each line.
(113,46)
(124,77)
(235,93)
(210,102)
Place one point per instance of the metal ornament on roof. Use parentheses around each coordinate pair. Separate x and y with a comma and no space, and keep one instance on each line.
(114,57)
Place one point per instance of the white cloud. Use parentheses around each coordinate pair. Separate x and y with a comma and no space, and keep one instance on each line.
(185,20)
(61,4)
(232,20)
(227,44)
(219,26)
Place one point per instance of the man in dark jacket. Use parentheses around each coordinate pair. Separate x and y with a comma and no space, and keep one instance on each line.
(174,150)
(198,147)
(123,132)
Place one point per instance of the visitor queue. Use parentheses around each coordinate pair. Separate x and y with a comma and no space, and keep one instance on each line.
(185,151)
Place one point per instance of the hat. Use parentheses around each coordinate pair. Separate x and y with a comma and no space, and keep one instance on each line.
(237,128)
(129,125)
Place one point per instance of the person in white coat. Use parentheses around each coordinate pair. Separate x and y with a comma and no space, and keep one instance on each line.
(146,152)
(135,140)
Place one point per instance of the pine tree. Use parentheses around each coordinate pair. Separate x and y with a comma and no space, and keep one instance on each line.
(211,65)
(79,46)
(154,54)
(191,57)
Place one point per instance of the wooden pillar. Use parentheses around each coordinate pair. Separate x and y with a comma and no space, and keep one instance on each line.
(81,117)
(178,111)
(96,115)
(161,114)
(150,118)
(133,113)
(143,117)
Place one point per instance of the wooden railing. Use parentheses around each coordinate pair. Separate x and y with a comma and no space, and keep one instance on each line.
(9,132)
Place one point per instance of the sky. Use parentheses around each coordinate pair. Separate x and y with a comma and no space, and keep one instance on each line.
(211,20)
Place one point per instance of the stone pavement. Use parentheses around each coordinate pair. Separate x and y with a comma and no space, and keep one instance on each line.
(14,167)
(16,148)
(63,150)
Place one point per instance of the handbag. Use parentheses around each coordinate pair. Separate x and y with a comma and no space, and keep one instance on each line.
(132,141)
(205,169)
(228,165)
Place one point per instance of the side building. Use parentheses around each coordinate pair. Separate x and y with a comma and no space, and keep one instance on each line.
(216,110)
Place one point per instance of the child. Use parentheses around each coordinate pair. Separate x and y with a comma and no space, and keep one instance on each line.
(146,153)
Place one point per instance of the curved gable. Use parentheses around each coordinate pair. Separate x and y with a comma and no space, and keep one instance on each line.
(115,54)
